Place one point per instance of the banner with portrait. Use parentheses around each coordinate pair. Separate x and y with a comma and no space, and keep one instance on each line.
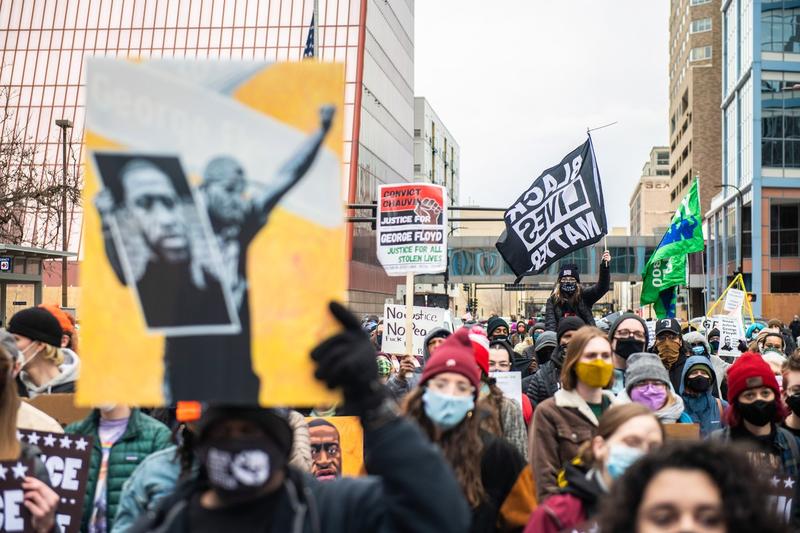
(201,177)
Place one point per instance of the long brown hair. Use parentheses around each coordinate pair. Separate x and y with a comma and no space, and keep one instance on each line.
(462,446)
(9,404)
(574,299)
(610,422)
(574,352)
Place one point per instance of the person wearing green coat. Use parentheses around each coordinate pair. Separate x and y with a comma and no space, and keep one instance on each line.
(123,437)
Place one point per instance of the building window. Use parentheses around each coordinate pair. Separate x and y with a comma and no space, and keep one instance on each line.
(747,233)
(700,25)
(417,167)
(700,53)
(623,260)
(785,282)
(780,29)
(780,123)
(698,2)
(784,232)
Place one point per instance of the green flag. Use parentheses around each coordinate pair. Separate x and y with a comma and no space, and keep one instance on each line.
(685,233)
(666,267)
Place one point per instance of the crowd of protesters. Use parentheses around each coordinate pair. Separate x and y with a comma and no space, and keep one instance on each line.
(610,430)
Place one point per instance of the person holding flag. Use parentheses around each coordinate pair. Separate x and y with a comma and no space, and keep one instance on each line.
(666,268)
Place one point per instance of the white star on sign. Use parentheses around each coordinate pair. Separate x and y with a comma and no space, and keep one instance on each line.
(19,436)
(774,481)
(49,440)
(65,442)
(788,483)
(19,470)
(3,471)
(33,438)
(80,444)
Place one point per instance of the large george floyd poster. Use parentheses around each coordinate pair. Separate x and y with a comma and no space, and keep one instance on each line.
(212,197)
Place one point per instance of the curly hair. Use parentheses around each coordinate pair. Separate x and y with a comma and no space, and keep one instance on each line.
(462,446)
(745,505)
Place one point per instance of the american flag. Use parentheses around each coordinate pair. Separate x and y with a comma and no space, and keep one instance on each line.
(309,51)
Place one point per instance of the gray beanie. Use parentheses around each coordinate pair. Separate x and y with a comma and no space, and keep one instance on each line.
(7,341)
(546,338)
(643,366)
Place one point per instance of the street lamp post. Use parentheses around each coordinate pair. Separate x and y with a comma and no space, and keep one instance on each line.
(739,209)
(64,124)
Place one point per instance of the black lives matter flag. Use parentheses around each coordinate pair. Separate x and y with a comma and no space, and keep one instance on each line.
(562,211)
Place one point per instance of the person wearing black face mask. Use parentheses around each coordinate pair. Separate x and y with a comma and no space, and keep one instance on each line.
(497,329)
(571,298)
(697,382)
(791,392)
(244,483)
(754,415)
(628,335)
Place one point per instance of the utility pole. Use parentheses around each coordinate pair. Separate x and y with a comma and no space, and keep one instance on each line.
(64,124)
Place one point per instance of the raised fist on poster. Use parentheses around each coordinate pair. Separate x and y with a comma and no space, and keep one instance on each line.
(427,210)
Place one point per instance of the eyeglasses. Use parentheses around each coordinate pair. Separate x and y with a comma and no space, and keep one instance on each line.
(622,334)
(331,449)
(503,365)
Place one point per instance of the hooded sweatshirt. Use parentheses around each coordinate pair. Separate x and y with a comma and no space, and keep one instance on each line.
(399,388)
(703,408)
(64,382)
(720,367)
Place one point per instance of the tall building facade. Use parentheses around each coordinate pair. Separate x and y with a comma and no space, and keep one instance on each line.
(649,203)
(436,152)
(761,154)
(43,45)
(695,60)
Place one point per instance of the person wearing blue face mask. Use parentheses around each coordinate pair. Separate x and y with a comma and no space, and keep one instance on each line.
(494,477)
(626,433)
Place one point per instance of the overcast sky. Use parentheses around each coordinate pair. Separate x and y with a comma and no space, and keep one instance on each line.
(518,81)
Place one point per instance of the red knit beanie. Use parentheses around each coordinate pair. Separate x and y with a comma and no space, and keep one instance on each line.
(750,371)
(455,354)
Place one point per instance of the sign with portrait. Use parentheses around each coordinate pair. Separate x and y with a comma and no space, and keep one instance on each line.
(337,447)
(212,195)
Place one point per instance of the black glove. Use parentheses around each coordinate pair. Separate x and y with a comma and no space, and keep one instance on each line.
(347,360)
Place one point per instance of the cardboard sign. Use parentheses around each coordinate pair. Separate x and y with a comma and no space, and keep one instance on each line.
(337,446)
(511,385)
(689,432)
(731,330)
(412,228)
(423,321)
(60,406)
(205,232)
(67,460)
(733,301)
(14,516)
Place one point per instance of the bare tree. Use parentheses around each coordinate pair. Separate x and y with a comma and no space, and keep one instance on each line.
(31,191)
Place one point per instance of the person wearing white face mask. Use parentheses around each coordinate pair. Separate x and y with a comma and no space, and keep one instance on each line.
(43,367)
(625,433)
(493,475)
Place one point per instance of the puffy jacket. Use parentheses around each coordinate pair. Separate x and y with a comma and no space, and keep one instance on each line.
(143,436)
(544,383)
(153,480)
(589,296)
(393,498)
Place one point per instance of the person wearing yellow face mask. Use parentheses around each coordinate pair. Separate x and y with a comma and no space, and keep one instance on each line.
(561,424)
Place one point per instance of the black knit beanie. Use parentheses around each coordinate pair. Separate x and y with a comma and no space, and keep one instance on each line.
(37,324)
(274,422)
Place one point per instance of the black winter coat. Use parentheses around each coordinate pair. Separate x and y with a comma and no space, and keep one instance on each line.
(544,383)
(405,468)
(589,296)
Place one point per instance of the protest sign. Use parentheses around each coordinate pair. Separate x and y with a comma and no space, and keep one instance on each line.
(423,321)
(731,330)
(204,231)
(733,301)
(781,495)
(412,229)
(14,516)
(60,405)
(337,446)
(562,211)
(67,459)
(511,385)
(651,332)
